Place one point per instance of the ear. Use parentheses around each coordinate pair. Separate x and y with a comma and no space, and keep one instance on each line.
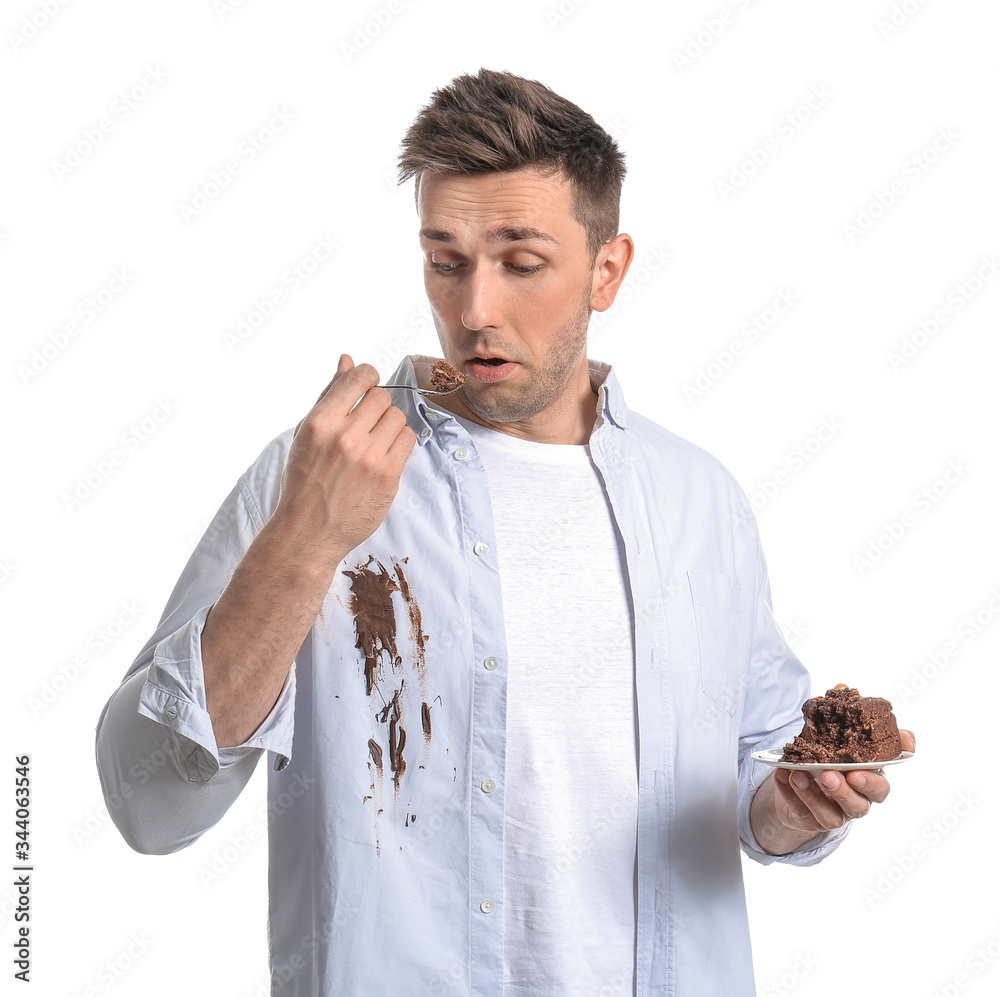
(610,267)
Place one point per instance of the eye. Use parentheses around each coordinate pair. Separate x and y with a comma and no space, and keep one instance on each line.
(449,268)
(442,267)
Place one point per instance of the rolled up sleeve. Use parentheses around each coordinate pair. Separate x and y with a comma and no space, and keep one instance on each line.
(173,695)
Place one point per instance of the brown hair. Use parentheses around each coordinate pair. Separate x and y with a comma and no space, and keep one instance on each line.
(495,121)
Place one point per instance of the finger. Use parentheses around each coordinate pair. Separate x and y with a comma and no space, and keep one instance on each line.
(797,809)
(369,409)
(872,785)
(842,794)
(389,424)
(344,391)
(909,742)
(784,790)
(344,364)
(402,447)
(827,812)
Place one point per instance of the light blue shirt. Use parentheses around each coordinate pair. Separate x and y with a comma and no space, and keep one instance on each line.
(385,879)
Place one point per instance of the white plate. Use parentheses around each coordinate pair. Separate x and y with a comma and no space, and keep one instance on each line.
(772,756)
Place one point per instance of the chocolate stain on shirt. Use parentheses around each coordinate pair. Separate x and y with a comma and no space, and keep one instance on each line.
(417,634)
(397,737)
(375,622)
(374,619)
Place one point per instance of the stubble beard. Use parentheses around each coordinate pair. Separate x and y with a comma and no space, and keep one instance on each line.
(547,381)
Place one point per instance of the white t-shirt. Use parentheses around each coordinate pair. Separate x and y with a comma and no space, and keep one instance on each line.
(571,793)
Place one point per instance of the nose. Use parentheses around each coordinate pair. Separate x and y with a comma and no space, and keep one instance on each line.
(482,299)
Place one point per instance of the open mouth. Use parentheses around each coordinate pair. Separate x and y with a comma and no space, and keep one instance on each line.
(489,369)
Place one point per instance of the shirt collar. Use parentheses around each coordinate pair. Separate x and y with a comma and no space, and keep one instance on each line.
(610,400)
(415,370)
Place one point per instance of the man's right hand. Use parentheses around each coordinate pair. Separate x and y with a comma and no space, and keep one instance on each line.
(344,465)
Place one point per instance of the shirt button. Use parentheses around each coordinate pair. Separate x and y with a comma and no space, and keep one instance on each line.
(487,906)
(481,549)
(490,663)
(425,432)
(461,453)
(487,785)
(171,711)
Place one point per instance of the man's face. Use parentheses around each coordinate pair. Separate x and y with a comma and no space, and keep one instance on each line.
(509,282)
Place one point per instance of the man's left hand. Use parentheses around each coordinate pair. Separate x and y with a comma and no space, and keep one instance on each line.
(801,805)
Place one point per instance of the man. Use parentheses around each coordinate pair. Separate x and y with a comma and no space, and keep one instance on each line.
(509,649)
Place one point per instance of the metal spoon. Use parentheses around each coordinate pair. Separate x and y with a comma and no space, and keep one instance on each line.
(422,391)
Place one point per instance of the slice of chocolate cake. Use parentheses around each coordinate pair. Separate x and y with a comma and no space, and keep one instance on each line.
(445,377)
(843,726)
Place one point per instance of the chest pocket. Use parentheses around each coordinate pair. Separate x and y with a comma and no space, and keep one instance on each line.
(716,605)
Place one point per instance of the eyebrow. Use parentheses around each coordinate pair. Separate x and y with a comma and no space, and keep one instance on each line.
(499,233)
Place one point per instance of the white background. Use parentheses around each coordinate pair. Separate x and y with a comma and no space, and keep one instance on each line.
(897,909)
